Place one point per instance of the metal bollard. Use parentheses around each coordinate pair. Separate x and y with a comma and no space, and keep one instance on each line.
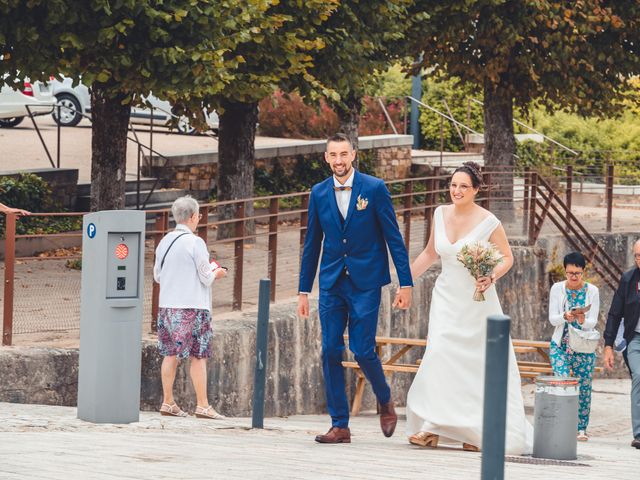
(556,418)
(262,340)
(495,397)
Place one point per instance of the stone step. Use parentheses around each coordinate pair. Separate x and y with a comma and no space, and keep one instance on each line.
(159,199)
(146,183)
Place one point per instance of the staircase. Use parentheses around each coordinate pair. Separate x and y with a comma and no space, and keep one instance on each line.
(541,202)
(160,198)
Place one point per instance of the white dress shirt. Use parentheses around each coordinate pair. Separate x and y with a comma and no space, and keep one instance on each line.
(185,278)
(343,197)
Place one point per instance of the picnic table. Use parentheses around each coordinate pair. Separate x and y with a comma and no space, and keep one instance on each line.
(392,352)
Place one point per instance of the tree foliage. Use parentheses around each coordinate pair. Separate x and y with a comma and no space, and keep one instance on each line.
(360,38)
(564,53)
(568,54)
(182,50)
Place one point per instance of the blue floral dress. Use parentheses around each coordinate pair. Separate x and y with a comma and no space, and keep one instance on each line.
(566,362)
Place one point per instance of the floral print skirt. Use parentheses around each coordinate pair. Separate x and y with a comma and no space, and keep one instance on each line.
(184,332)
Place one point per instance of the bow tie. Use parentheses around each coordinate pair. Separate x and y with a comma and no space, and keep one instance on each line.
(342,189)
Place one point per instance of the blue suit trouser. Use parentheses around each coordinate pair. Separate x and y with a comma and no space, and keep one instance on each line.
(341,306)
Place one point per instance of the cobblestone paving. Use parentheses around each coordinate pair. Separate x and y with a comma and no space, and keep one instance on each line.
(44,442)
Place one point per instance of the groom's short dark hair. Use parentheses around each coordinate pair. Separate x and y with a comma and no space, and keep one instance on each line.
(340,137)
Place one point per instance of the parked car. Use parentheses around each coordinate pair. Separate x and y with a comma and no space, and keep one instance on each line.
(75,100)
(13,103)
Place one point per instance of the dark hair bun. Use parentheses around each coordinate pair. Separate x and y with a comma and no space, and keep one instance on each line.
(473,170)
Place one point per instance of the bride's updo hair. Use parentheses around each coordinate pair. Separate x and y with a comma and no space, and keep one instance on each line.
(473,170)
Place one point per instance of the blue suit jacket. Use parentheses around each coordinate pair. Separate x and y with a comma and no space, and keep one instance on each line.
(359,243)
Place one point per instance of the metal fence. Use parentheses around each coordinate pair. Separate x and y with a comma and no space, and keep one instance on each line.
(42,293)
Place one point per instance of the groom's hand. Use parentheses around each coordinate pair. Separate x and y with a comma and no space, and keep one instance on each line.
(403,298)
(303,305)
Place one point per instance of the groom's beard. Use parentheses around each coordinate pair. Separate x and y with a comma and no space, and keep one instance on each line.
(346,173)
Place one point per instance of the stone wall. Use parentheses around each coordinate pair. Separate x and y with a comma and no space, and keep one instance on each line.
(294,377)
(197,171)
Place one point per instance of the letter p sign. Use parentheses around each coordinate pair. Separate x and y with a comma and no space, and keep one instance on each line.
(91,230)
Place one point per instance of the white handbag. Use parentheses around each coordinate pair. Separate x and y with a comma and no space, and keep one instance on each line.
(583,341)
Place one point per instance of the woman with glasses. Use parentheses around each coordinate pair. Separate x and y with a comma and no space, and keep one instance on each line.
(185,274)
(568,301)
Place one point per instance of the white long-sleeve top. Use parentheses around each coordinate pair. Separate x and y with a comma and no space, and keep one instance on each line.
(186,277)
(558,305)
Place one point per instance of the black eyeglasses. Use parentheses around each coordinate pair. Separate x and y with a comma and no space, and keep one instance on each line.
(574,274)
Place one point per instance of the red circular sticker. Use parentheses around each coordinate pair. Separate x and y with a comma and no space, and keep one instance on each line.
(122,251)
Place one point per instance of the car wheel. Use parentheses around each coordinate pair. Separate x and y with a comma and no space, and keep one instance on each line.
(10,122)
(70,110)
(185,127)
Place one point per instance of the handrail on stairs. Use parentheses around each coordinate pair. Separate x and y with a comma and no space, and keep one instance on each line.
(544,197)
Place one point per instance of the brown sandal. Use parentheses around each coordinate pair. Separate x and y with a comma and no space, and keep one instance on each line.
(172,410)
(424,439)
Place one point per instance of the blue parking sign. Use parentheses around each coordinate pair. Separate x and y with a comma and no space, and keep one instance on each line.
(91,230)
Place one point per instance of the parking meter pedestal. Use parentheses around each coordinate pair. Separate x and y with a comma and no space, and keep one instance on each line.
(111,316)
(556,418)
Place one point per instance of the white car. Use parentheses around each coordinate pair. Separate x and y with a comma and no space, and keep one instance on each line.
(13,103)
(76,99)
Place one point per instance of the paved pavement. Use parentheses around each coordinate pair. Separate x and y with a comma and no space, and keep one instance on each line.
(44,442)
(21,148)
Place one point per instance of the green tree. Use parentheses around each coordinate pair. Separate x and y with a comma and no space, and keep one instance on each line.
(179,49)
(271,57)
(361,38)
(567,54)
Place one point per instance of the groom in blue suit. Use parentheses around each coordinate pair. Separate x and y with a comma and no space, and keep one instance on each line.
(351,218)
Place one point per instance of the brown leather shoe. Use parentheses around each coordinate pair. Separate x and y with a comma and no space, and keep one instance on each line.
(335,435)
(388,419)
(636,442)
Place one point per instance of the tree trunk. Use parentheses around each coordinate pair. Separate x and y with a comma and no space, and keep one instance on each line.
(236,161)
(499,149)
(110,121)
(349,118)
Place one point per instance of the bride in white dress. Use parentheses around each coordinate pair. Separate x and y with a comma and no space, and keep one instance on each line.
(446,399)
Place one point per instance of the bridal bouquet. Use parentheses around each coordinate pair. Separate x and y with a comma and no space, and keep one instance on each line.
(480,258)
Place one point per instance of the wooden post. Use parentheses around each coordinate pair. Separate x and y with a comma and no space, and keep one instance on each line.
(532,208)
(569,192)
(161,227)
(610,172)
(9,272)
(239,257)
(486,179)
(274,206)
(304,218)
(406,215)
(428,208)
(525,207)
(203,224)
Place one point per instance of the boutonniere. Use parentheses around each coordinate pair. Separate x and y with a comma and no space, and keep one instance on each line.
(362,203)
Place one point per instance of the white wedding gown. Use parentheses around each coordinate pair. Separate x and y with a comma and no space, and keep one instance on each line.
(447,394)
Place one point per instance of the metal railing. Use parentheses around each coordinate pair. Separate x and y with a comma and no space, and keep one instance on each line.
(33,303)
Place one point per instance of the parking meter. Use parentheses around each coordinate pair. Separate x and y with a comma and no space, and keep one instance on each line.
(111,316)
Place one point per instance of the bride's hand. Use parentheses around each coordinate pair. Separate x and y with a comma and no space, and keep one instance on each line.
(483,283)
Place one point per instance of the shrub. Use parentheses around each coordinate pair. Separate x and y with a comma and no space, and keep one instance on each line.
(287,116)
(32,193)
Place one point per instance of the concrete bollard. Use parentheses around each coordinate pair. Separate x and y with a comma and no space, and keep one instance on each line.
(556,418)
(495,397)
(262,340)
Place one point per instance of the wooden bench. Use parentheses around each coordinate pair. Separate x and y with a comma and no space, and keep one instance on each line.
(397,348)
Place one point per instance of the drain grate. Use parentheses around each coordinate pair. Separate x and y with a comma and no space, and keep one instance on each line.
(544,461)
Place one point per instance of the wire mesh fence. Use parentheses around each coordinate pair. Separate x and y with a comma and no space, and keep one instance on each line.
(267,243)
